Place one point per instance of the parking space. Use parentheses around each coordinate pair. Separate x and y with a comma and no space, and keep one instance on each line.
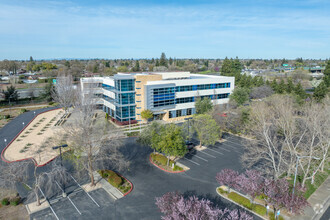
(211,160)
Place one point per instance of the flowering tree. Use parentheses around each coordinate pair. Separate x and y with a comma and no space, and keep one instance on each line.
(175,207)
(228,178)
(279,195)
(251,183)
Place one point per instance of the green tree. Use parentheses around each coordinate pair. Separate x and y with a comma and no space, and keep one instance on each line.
(236,66)
(151,135)
(299,91)
(163,60)
(289,85)
(326,77)
(274,85)
(172,142)
(48,90)
(226,67)
(281,87)
(320,91)
(11,94)
(137,66)
(203,105)
(240,95)
(147,114)
(122,69)
(206,128)
(31,59)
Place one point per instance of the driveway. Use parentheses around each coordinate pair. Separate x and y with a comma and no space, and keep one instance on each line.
(150,182)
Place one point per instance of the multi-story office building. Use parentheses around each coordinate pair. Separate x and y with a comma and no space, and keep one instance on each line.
(169,95)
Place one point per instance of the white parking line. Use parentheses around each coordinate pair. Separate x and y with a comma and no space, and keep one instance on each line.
(234,143)
(233,147)
(223,148)
(68,198)
(192,161)
(207,154)
(215,151)
(198,157)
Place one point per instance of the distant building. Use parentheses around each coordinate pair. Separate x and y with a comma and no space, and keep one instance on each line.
(169,95)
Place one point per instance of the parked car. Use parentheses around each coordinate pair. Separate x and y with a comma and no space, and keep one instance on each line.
(189,145)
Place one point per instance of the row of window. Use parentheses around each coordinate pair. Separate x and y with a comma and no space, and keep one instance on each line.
(189,99)
(163,91)
(201,87)
(181,112)
(125,85)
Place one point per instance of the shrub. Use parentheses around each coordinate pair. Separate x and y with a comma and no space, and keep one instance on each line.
(240,199)
(116,181)
(221,191)
(6,116)
(51,103)
(23,110)
(15,201)
(159,159)
(5,201)
(177,168)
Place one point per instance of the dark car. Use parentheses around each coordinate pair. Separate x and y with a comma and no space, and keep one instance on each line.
(189,145)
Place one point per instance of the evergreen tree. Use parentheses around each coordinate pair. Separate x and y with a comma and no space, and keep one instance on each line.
(137,66)
(300,91)
(240,95)
(236,66)
(157,62)
(226,67)
(267,82)
(260,81)
(326,77)
(320,91)
(31,59)
(170,61)
(274,85)
(203,105)
(281,87)
(289,86)
(11,94)
(163,60)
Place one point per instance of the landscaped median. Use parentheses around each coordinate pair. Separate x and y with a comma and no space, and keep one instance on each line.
(237,198)
(160,161)
(116,180)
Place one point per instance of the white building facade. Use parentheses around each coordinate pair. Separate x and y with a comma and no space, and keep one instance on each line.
(169,95)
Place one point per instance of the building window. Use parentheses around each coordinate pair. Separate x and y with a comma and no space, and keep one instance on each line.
(189,111)
(170,114)
(178,113)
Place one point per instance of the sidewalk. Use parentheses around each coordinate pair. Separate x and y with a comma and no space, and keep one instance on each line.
(319,202)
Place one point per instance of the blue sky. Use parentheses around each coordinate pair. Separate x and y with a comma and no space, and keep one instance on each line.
(183,29)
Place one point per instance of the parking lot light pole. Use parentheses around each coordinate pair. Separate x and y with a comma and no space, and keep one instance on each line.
(187,119)
(60,147)
(23,124)
(5,140)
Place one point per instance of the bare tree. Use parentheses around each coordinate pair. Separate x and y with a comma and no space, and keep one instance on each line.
(93,140)
(64,92)
(266,151)
(10,174)
(47,180)
(261,92)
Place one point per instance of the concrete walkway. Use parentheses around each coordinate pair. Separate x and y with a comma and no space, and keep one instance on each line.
(31,106)
(111,190)
(319,202)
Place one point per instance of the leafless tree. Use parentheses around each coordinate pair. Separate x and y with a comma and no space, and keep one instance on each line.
(261,92)
(64,92)
(266,151)
(47,180)
(93,140)
(10,174)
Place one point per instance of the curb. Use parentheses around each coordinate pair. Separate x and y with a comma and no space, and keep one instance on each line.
(129,191)
(240,205)
(29,158)
(181,171)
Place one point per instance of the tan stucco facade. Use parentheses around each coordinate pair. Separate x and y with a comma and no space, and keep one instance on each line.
(140,82)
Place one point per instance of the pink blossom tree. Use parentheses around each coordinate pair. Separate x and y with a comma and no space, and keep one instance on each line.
(228,178)
(175,207)
(251,182)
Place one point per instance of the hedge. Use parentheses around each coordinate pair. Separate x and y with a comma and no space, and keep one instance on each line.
(5,201)
(15,201)
(113,178)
